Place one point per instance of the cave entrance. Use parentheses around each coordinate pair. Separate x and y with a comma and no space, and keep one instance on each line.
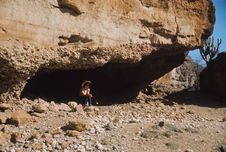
(112,83)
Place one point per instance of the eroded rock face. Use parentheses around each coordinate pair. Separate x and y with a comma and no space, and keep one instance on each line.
(71,35)
(101,23)
(213,78)
(184,77)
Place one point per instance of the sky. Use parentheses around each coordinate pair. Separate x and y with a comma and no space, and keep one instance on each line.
(219,29)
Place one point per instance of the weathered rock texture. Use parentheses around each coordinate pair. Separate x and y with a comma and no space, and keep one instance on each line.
(68,34)
(184,77)
(213,78)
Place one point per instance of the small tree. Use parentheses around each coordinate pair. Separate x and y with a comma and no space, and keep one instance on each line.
(208,51)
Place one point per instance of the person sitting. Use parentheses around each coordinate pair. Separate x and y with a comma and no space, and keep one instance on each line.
(85,92)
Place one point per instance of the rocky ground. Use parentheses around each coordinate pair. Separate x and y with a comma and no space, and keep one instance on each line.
(185,122)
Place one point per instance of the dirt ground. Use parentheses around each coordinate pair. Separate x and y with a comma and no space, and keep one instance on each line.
(181,122)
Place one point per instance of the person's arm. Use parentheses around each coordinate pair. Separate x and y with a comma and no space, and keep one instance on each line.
(82,92)
(88,92)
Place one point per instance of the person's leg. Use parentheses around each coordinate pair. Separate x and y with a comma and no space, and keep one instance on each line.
(90,101)
(86,100)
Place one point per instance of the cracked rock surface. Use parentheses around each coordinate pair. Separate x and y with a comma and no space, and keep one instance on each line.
(69,35)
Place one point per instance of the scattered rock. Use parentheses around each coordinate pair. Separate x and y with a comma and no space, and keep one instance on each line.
(36,146)
(64,107)
(150,134)
(4,106)
(173,128)
(161,123)
(55,131)
(133,121)
(224,119)
(40,108)
(19,118)
(79,109)
(168,134)
(40,115)
(109,126)
(73,105)
(223,148)
(188,150)
(156,127)
(172,145)
(106,141)
(3,118)
(190,112)
(78,125)
(73,133)
(53,107)
(35,136)
(15,137)
(99,146)
(81,148)
(141,97)
(89,109)
(47,135)
(64,145)
(191,130)
(4,138)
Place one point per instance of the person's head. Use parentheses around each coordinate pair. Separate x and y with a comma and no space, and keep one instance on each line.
(86,84)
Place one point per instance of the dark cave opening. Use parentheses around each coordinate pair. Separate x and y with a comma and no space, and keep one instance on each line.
(112,83)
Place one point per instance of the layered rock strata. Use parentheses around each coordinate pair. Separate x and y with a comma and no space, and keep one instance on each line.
(79,35)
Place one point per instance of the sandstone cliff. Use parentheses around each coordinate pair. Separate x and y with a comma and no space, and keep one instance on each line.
(43,36)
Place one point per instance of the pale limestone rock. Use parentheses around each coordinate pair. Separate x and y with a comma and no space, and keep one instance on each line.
(4,138)
(79,109)
(3,117)
(4,106)
(72,105)
(98,22)
(20,118)
(94,33)
(79,125)
(64,107)
(40,108)
(16,137)
(73,133)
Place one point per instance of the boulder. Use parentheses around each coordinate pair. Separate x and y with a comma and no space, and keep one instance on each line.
(16,137)
(39,108)
(20,118)
(79,109)
(4,106)
(4,138)
(73,133)
(184,77)
(79,125)
(53,107)
(64,107)
(129,42)
(213,77)
(3,117)
(72,105)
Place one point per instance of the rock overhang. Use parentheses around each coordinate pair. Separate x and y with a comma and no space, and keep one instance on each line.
(73,35)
